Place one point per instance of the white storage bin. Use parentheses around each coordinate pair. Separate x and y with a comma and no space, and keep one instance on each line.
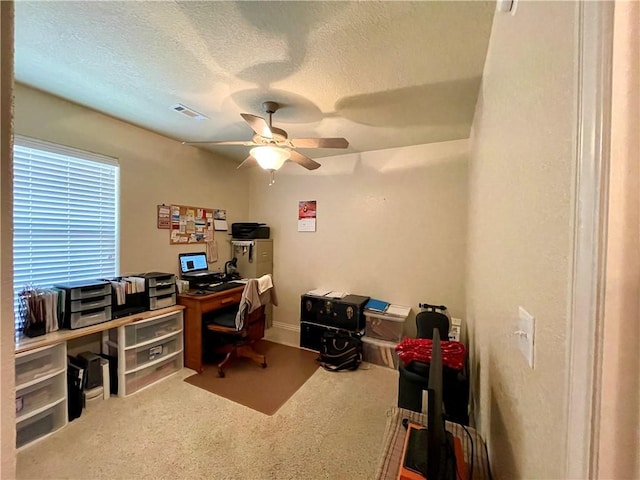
(39,395)
(161,302)
(144,354)
(139,379)
(379,352)
(42,424)
(36,364)
(385,327)
(139,332)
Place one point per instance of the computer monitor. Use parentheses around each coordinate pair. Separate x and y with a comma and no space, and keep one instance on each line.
(193,262)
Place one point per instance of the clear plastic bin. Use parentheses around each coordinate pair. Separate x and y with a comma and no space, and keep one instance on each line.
(30,399)
(142,331)
(36,364)
(141,378)
(137,357)
(384,327)
(379,352)
(41,424)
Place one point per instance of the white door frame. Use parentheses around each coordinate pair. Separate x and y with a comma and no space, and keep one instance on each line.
(584,332)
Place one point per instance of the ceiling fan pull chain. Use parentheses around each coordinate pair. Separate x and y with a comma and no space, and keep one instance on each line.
(272,178)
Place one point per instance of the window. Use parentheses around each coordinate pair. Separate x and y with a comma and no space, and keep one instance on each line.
(65,216)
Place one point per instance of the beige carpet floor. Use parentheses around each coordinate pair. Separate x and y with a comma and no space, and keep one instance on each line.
(287,370)
(331,428)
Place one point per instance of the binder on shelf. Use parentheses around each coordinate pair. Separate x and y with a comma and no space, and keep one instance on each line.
(376,305)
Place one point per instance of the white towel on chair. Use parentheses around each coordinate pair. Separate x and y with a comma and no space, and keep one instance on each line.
(264,283)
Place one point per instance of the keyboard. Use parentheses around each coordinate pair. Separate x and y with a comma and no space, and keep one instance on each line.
(224,286)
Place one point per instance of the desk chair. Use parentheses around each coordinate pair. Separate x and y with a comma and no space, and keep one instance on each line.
(239,328)
(433,316)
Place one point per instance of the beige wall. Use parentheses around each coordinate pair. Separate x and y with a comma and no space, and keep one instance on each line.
(391,224)
(520,235)
(153,170)
(7,375)
(619,449)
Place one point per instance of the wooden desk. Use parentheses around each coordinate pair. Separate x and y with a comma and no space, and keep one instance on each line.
(195,305)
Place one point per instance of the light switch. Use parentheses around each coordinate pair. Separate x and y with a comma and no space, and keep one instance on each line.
(525,334)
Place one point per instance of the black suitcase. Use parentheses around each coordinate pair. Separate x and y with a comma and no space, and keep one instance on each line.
(346,313)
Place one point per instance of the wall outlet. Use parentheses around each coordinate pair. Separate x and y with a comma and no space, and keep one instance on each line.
(525,334)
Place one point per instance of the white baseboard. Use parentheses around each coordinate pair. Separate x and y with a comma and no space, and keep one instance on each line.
(286,326)
(284,333)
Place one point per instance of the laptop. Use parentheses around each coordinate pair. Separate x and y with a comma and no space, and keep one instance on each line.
(194,265)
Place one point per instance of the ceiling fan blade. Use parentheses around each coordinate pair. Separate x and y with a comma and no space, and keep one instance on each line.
(248,162)
(320,143)
(243,143)
(303,160)
(258,124)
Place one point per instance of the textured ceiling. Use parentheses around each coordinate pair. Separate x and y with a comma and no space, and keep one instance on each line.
(381,74)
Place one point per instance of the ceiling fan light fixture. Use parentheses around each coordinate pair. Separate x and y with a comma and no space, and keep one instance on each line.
(270,157)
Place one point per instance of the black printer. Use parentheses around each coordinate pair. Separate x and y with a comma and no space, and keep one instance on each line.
(249,231)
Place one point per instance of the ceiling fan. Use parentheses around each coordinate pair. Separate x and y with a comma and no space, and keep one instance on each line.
(272,147)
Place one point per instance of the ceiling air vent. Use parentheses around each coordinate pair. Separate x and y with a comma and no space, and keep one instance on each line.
(189,112)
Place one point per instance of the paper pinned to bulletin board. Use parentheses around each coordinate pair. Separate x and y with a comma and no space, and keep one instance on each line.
(191,225)
(307,216)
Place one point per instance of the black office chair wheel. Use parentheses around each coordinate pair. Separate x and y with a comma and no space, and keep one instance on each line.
(264,365)
(220,373)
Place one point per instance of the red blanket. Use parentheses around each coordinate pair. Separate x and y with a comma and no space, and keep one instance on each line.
(419,349)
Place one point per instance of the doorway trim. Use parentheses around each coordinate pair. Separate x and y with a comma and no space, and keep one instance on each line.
(584,330)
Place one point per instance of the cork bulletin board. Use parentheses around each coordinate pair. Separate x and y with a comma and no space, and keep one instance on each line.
(190,225)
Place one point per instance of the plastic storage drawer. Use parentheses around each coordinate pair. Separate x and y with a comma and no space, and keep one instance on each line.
(139,332)
(161,302)
(384,327)
(142,355)
(379,352)
(160,280)
(139,379)
(41,424)
(85,319)
(90,303)
(41,394)
(162,289)
(33,365)
(80,293)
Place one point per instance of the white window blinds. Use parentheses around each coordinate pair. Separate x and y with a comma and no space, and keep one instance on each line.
(65,215)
